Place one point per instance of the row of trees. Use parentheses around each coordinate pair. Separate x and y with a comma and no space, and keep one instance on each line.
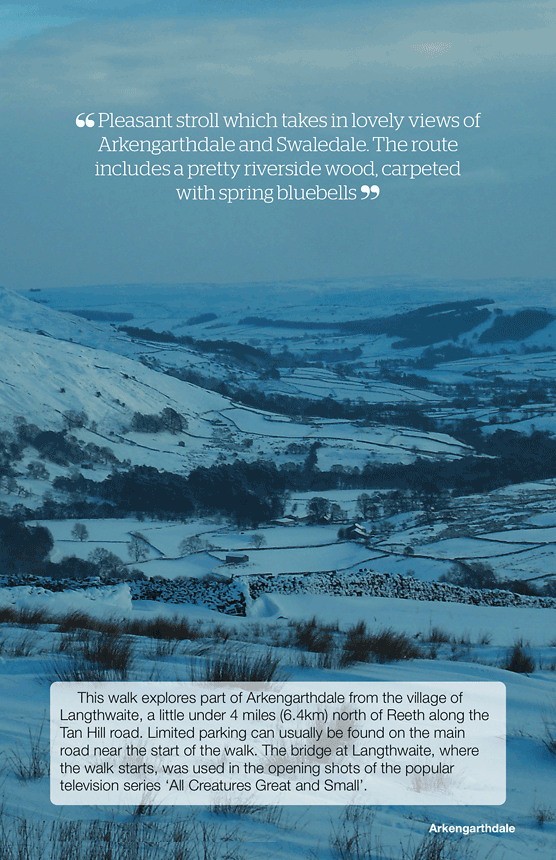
(168,420)
(137,546)
(250,493)
(255,492)
(321,510)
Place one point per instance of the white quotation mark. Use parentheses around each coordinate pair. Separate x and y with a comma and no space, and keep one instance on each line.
(80,123)
(374,189)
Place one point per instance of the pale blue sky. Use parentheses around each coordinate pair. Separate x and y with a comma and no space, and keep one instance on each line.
(65,227)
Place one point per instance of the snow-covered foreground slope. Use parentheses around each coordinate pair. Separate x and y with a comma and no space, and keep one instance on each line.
(30,657)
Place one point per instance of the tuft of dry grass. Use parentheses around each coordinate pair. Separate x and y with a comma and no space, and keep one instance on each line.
(518,659)
(139,839)
(94,656)
(357,645)
(543,814)
(177,627)
(549,739)
(233,664)
(26,617)
(313,636)
(388,645)
(438,636)
(34,762)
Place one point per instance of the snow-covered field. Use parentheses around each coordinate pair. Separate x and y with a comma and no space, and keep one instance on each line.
(30,655)
(524,549)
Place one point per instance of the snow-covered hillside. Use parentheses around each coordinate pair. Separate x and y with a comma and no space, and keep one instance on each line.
(19,312)
(45,379)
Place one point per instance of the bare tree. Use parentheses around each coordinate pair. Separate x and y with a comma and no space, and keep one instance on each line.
(367,507)
(257,540)
(191,544)
(137,548)
(107,562)
(80,532)
(173,421)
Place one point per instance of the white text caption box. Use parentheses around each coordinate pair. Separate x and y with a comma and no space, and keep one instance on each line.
(278,743)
